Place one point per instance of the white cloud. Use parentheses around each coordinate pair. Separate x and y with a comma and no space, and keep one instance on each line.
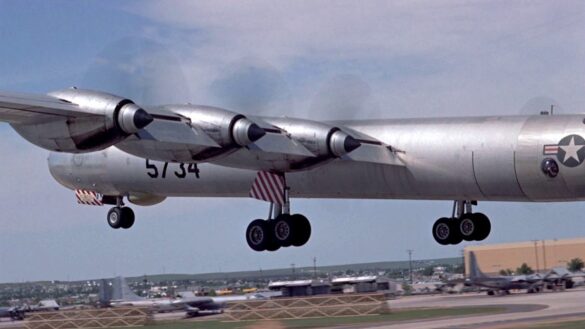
(416,58)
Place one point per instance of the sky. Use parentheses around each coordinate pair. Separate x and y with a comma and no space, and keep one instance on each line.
(312,59)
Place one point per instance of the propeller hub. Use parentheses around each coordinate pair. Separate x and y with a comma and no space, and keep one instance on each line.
(142,118)
(341,143)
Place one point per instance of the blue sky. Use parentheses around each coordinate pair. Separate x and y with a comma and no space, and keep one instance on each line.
(314,59)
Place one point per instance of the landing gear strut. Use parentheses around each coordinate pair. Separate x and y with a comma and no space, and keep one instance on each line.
(281,229)
(120,216)
(463,225)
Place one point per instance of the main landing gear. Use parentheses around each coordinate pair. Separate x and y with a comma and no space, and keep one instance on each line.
(284,230)
(463,225)
(120,216)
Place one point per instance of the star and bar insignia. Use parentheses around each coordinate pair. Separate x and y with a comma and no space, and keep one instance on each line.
(570,150)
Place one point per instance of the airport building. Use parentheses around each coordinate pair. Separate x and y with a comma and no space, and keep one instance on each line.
(362,284)
(300,288)
(540,255)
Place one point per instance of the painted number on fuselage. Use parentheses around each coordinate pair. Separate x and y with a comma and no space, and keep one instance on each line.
(182,172)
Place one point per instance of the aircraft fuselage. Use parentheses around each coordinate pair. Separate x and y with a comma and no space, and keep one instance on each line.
(496,158)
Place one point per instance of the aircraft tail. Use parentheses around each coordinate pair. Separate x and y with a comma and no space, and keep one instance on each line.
(474,271)
(105,294)
(121,291)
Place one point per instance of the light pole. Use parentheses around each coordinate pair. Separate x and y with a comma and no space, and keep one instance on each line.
(536,254)
(315,267)
(410,263)
(544,251)
(463,261)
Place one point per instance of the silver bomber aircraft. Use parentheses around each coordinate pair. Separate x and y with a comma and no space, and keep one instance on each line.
(108,149)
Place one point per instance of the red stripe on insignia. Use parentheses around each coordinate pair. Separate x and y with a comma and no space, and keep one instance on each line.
(551,149)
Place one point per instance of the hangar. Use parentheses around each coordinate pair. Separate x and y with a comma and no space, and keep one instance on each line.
(540,255)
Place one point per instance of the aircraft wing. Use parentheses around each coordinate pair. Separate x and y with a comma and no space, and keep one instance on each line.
(78,121)
(31,108)
(373,150)
(196,304)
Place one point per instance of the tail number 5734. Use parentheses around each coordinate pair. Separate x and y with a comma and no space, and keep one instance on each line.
(182,172)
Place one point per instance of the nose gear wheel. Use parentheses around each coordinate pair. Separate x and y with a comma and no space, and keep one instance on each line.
(121,217)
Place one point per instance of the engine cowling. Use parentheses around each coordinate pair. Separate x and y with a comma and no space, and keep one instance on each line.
(228,129)
(321,139)
(109,120)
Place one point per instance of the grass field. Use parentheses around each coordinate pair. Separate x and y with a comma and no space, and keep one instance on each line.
(324,322)
(572,324)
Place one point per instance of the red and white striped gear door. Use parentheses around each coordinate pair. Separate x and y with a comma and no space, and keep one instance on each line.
(268,187)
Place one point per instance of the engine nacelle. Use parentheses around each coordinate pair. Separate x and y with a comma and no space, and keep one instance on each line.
(228,129)
(109,120)
(323,140)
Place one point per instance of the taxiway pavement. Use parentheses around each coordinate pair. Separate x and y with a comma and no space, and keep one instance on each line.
(523,309)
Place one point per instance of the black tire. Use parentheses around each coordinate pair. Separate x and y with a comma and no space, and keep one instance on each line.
(301,230)
(455,237)
(442,231)
(115,217)
(468,227)
(271,243)
(127,218)
(484,225)
(257,235)
(283,230)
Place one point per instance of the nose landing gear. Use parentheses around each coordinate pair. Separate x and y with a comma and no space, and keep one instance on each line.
(120,216)
(463,225)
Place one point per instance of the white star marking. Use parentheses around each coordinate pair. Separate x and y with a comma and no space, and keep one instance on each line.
(571,150)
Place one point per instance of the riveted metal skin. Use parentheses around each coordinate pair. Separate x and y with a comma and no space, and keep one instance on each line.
(229,130)
(108,120)
(326,143)
(477,158)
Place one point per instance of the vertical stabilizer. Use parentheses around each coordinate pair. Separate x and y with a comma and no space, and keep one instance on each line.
(105,294)
(474,271)
(122,292)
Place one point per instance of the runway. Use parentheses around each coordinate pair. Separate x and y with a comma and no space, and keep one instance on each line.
(523,309)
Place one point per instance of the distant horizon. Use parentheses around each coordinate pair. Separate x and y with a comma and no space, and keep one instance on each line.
(242,271)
